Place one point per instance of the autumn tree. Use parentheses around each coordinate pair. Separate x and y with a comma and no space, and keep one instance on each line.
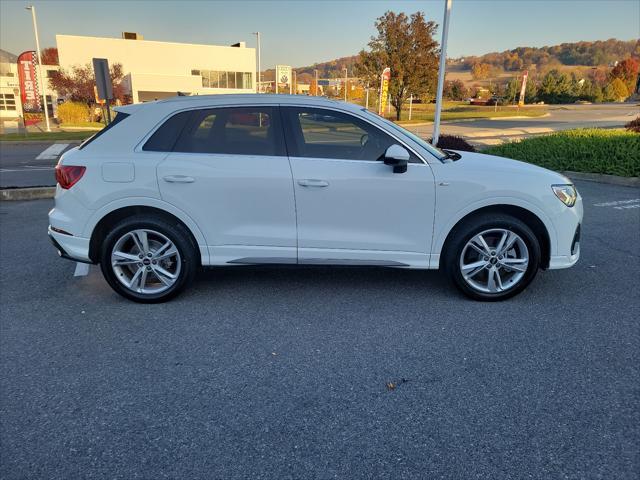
(455,90)
(78,84)
(50,56)
(406,45)
(617,90)
(480,71)
(627,71)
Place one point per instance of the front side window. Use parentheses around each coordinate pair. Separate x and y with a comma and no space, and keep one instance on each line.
(321,133)
(233,131)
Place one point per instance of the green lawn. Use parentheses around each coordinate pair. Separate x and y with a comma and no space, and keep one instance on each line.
(613,152)
(460,111)
(46,136)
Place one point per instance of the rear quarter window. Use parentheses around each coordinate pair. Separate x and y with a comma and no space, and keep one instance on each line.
(165,137)
(120,116)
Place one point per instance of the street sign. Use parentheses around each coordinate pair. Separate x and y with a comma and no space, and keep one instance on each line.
(283,76)
(384,89)
(103,79)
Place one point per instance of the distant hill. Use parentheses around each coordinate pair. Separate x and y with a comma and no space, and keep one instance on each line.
(601,52)
(597,53)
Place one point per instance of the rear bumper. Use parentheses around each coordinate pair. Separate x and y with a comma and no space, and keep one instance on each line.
(70,247)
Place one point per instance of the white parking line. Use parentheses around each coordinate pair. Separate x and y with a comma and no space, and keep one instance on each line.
(620,204)
(52,152)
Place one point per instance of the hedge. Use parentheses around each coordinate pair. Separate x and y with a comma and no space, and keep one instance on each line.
(613,152)
(73,112)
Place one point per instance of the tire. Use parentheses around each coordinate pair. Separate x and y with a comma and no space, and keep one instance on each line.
(473,270)
(153,272)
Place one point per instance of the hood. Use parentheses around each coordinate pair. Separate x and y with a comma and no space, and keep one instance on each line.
(493,163)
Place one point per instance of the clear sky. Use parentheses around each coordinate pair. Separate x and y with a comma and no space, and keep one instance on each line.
(300,33)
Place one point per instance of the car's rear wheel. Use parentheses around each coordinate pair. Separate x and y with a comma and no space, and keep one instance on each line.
(148,260)
(492,257)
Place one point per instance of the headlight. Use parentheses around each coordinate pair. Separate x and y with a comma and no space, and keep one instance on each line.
(566,193)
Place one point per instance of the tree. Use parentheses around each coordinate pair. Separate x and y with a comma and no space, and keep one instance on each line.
(556,87)
(627,71)
(406,46)
(78,84)
(617,90)
(480,71)
(455,90)
(50,56)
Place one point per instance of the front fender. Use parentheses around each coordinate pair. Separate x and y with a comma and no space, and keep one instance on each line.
(441,234)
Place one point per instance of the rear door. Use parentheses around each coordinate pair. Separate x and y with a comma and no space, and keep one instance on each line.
(229,171)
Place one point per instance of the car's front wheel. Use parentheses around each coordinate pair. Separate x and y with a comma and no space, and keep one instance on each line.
(148,260)
(492,257)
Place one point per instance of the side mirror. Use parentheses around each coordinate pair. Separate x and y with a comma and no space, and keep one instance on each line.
(397,157)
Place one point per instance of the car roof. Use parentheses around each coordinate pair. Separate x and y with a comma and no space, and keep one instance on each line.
(195,101)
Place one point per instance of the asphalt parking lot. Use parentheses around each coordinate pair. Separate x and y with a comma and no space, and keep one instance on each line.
(282,372)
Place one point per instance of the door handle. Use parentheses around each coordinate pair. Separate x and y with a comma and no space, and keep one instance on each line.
(178,179)
(311,182)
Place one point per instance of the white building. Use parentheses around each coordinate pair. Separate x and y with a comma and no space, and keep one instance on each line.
(10,107)
(157,70)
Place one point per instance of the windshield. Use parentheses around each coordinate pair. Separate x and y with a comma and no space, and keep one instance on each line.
(436,152)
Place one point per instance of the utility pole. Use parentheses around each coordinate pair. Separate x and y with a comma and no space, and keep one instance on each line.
(259,75)
(316,89)
(295,82)
(345,83)
(367,100)
(42,89)
(443,63)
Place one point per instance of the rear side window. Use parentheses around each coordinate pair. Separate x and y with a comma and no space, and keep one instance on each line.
(233,131)
(120,116)
(165,137)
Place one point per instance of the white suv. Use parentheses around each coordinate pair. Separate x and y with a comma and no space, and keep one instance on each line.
(264,179)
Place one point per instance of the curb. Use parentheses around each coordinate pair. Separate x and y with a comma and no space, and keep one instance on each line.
(31,193)
(604,178)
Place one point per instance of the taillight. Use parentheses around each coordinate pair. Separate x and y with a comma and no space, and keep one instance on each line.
(68,175)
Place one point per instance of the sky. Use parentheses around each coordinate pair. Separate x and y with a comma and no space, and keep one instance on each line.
(300,33)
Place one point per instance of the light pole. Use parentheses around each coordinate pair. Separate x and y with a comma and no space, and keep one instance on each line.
(316,89)
(345,84)
(259,76)
(443,61)
(44,93)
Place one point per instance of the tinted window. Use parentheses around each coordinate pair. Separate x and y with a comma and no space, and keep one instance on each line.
(167,135)
(320,133)
(118,118)
(235,131)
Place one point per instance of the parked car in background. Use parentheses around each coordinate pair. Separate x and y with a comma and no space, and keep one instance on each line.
(230,180)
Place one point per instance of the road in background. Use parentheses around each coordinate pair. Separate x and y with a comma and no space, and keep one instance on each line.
(282,372)
(30,164)
(484,132)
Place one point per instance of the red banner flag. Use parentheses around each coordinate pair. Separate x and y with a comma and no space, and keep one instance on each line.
(27,74)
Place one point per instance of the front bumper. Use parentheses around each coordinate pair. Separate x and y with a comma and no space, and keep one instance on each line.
(568,226)
(70,247)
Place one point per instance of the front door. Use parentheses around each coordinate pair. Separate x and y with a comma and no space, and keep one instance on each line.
(351,207)
(229,171)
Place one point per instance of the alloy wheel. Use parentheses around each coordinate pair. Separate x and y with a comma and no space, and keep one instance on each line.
(146,261)
(494,261)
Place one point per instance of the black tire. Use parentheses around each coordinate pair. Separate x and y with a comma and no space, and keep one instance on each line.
(468,229)
(175,232)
